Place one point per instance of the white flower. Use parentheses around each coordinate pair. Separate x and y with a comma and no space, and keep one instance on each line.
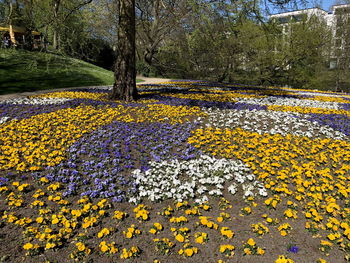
(37,101)
(193,178)
(232,189)
(4,119)
(273,122)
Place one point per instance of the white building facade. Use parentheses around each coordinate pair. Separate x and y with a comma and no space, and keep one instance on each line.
(335,19)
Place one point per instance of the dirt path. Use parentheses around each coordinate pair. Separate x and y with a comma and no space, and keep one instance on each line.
(26,94)
(152,80)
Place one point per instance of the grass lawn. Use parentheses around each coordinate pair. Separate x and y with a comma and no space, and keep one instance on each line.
(22,71)
(191,172)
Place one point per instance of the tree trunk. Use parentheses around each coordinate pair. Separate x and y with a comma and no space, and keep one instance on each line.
(125,66)
(56,8)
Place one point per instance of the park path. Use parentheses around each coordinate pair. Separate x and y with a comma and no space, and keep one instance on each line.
(26,94)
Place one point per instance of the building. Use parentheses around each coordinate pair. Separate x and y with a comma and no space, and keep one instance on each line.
(335,19)
(17,35)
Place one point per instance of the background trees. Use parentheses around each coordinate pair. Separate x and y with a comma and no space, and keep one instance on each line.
(219,40)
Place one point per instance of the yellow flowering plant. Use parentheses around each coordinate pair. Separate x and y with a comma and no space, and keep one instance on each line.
(163,246)
(156,228)
(227,250)
(250,248)
(188,250)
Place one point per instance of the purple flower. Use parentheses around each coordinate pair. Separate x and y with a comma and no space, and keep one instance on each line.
(293,249)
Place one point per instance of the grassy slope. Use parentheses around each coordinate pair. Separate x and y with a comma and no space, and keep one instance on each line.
(22,71)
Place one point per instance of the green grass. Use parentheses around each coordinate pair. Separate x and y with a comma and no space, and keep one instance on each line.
(23,71)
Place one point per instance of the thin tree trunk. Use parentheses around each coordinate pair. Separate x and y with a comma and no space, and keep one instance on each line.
(56,7)
(125,67)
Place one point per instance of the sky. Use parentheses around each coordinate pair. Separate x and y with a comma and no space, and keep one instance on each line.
(302,4)
(327,4)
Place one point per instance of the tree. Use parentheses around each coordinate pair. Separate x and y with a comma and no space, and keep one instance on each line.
(341,45)
(125,66)
(157,20)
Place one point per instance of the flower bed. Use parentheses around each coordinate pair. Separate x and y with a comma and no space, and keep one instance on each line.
(193,171)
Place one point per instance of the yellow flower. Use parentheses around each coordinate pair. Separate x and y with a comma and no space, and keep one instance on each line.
(180,238)
(189,252)
(80,246)
(49,245)
(103,247)
(158,226)
(283,233)
(247,251)
(260,251)
(283,259)
(251,242)
(220,219)
(28,246)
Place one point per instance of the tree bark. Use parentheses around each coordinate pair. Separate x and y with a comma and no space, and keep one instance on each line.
(124,87)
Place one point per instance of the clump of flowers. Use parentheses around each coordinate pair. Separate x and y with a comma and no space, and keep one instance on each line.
(260,229)
(132,232)
(272,201)
(227,250)
(163,246)
(89,222)
(283,259)
(167,211)
(201,237)
(270,221)
(182,205)
(32,249)
(284,229)
(312,227)
(104,232)
(80,252)
(108,248)
(205,221)
(246,210)
(192,211)
(119,215)
(223,217)
(179,220)
(22,187)
(224,204)
(250,248)
(54,187)
(188,250)
(133,252)
(14,200)
(290,213)
(156,228)
(205,206)
(227,232)
(44,180)
(141,212)
(325,246)
(181,234)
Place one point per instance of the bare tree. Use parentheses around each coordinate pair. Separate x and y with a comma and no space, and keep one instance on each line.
(157,19)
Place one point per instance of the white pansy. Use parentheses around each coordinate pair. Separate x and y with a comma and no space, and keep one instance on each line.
(36,101)
(272,122)
(306,93)
(291,102)
(195,178)
(232,188)
(4,119)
